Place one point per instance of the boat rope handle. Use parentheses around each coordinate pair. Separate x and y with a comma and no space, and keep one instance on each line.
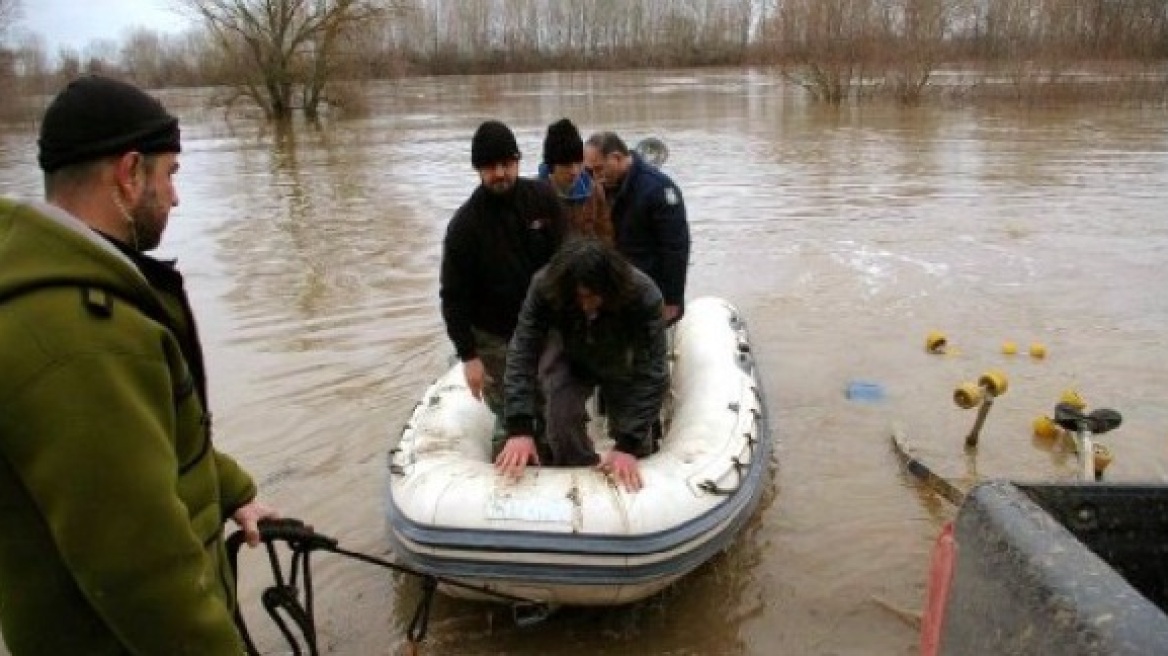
(395,468)
(712,487)
(284,595)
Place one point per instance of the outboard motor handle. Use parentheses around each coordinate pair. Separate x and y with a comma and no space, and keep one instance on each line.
(1097,421)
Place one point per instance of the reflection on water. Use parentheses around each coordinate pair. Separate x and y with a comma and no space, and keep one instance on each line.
(844,235)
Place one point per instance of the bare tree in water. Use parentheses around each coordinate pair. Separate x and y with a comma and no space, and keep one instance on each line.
(847,49)
(282,54)
(9,13)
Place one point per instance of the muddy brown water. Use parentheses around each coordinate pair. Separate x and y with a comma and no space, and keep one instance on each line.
(844,236)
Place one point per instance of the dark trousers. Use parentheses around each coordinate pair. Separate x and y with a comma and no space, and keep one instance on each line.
(492,351)
(566,390)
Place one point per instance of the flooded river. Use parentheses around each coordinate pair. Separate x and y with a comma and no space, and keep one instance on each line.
(844,236)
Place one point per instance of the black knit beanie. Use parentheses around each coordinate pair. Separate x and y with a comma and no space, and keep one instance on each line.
(563,144)
(493,142)
(95,116)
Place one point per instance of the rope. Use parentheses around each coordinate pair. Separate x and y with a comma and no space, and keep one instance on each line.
(281,600)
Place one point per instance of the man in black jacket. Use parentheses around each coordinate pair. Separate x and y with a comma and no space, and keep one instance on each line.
(506,231)
(590,320)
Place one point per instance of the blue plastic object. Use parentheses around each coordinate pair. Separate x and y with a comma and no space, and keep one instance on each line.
(864,391)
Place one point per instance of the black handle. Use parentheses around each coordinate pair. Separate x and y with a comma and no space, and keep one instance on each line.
(1098,421)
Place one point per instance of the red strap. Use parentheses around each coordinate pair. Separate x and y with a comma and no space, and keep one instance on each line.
(940,581)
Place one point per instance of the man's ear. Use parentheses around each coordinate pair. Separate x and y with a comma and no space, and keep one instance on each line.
(127,171)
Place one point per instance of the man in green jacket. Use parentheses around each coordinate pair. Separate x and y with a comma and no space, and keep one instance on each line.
(112,496)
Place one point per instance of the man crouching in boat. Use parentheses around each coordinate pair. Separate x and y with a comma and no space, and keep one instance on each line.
(590,320)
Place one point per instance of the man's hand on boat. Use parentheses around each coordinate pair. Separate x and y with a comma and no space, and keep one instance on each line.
(519,451)
(622,466)
(516,454)
(476,377)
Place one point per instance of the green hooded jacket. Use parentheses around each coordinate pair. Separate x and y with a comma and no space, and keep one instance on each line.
(112,498)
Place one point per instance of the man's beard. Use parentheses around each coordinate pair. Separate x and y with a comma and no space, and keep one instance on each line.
(501,187)
(147,224)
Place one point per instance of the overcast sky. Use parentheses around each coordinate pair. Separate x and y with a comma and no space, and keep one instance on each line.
(75,23)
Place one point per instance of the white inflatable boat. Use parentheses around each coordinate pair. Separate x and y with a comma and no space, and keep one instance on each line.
(570,535)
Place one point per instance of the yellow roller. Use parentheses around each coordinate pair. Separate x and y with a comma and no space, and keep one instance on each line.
(989,386)
(936,342)
(967,395)
(1037,351)
(1103,458)
(1045,428)
(1009,348)
(1073,399)
(994,382)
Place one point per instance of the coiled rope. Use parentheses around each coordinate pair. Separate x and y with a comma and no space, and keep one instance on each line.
(282,599)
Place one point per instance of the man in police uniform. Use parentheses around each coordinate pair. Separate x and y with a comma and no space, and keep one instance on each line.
(648,216)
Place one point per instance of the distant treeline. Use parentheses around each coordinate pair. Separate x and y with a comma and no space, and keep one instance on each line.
(837,49)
